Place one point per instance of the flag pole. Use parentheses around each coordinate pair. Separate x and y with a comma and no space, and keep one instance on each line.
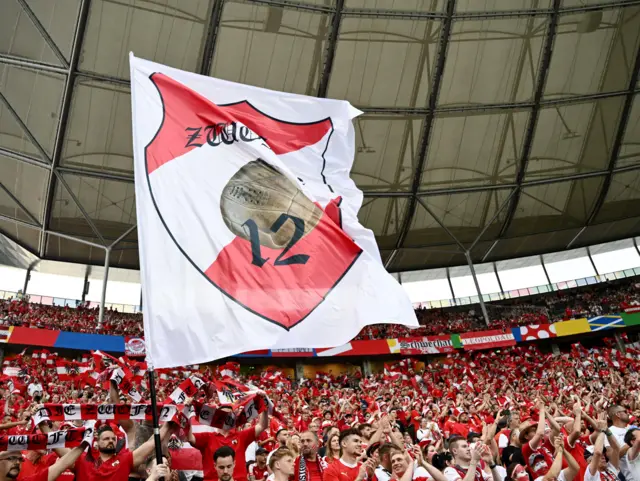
(154,414)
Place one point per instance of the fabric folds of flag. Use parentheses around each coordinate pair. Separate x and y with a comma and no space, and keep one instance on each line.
(246,210)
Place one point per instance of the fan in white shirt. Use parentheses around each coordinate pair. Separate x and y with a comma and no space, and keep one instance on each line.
(402,465)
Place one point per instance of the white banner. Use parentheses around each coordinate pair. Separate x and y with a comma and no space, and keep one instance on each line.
(247,220)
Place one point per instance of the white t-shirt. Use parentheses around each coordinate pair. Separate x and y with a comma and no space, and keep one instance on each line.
(596,477)
(382,474)
(250,453)
(429,433)
(421,474)
(630,468)
(618,433)
(561,477)
(452,474)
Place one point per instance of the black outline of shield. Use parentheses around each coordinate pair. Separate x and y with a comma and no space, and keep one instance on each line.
(182,250)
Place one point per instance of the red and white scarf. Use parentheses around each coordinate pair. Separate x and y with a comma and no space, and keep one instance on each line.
(109,412)
(53,440)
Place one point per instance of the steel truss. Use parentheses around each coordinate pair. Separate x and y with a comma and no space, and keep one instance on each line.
(69,70)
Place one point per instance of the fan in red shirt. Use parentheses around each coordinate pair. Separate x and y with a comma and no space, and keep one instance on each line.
(208,443)
(259,470)
(36,461)
(534,448)
(309,462)
(11,465)
(347,468)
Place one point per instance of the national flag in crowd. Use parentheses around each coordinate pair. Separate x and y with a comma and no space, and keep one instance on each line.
(246,209)
(229,369)
(187,388)
(71,371)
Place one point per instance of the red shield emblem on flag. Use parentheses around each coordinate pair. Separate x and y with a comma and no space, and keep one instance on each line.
(283,253)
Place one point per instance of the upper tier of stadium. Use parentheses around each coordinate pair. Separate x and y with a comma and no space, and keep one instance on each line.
(505,128)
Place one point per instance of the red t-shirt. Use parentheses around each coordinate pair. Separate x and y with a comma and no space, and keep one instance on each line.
(42,475)
(264,435)
(314,472)
(258,473)
(117,468)
(30,469)
(339,471)
(536,466)
(239,441)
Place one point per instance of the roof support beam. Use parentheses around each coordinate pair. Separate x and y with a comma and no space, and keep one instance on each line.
(45,35)
(76,239)
(27,159)
(434,92)
(124,234)
(493,219)
(535,112)
(76,49)
(82,210)
(96,174)
(212,35)
(330,52)
(615,147)
(33,65)
(441,224)
(24,127)
(19,204)
(20,222)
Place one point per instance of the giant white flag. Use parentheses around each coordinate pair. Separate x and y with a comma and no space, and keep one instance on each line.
(247,220)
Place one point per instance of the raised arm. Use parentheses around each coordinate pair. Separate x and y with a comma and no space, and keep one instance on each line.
(65,462)
(577,424)
(539,435)
(433,472)
(556,466)
(571,471)
(476,454)
(12,425)
(555,427)
(145,450)
(127,424)
(597,454)
(61,452)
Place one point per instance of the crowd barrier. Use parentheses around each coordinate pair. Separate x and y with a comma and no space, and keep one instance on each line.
(134,346)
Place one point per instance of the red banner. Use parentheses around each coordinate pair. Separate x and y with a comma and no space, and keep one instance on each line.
(134,346)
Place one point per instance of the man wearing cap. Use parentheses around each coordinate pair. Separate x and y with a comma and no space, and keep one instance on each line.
(534,449)
(259,471)
(208,443)
(11,465)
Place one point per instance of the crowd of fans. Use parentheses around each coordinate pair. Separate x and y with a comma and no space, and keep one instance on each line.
(586,301)
(512,414)
(20,312)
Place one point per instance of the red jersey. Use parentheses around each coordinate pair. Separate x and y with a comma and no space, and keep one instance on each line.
(239,441)
(258,473)
(535,463)
(42,475)
(117,468)
(30,469)
(340,471)
(264,435)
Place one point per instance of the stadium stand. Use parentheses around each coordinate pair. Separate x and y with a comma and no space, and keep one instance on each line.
(588,301)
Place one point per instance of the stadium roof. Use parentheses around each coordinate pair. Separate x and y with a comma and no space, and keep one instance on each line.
(514,124)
